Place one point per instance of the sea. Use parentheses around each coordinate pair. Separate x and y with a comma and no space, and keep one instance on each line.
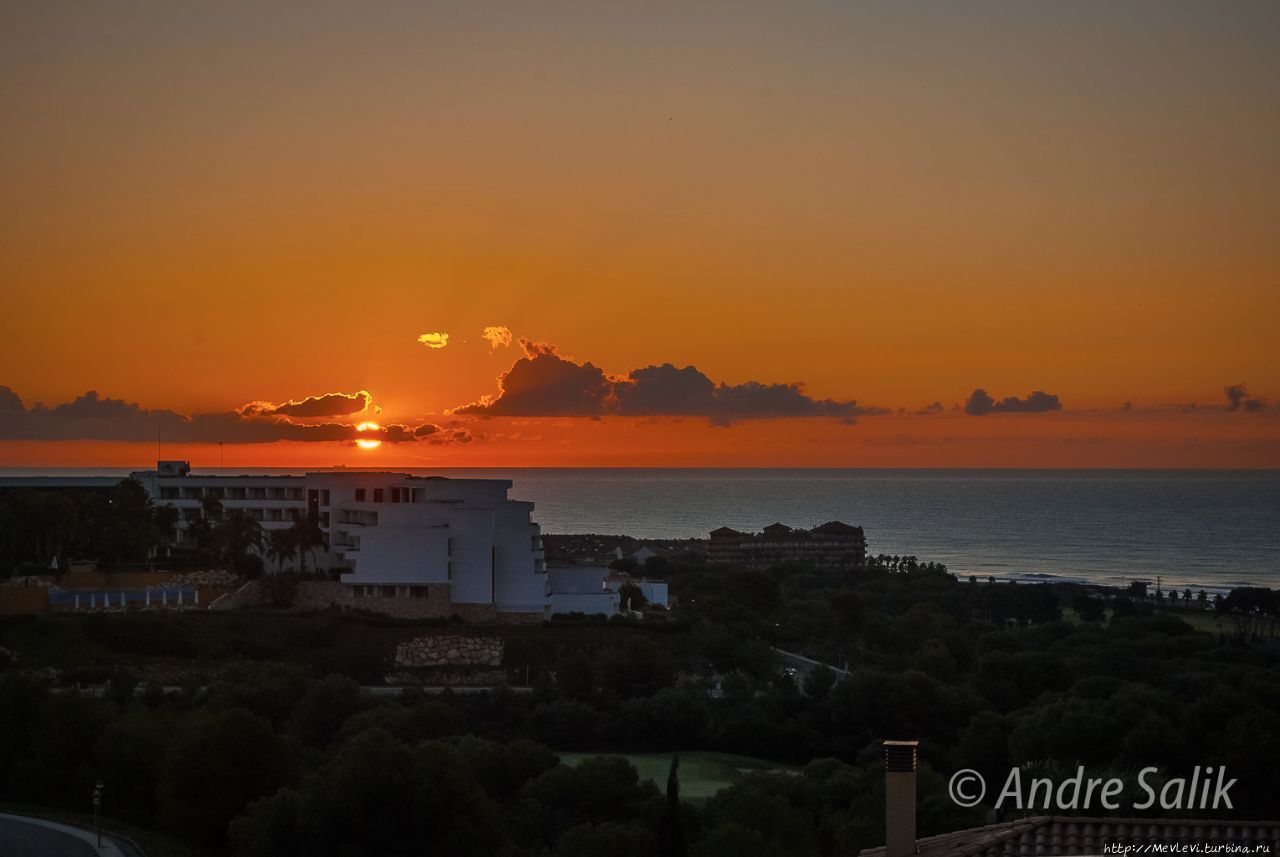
(1202,529)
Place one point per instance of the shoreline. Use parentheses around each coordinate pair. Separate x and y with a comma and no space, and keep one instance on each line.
(1167,584)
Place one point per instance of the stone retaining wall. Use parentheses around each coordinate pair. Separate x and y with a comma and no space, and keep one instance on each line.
(449,651)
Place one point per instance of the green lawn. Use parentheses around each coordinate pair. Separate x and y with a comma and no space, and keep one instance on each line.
(701,774)
(1201,620)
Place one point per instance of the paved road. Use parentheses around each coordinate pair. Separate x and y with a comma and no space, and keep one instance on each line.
(100,690)
(21,836)
(799,667)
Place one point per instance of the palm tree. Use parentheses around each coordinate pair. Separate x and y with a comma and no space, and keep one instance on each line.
(164,524)
(238,535)
(204,530)
(307,537)
(211,508)
(281,546)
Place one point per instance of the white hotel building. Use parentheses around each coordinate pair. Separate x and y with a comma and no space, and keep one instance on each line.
(401,536)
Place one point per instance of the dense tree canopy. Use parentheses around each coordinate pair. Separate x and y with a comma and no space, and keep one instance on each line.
(269,753)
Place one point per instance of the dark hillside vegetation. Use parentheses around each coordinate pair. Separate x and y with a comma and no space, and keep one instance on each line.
(265,744)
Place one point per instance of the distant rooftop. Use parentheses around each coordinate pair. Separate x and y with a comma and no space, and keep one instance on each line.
(1063,836)
(779,530)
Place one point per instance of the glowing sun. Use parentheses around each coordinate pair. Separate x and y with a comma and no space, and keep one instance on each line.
(368,442)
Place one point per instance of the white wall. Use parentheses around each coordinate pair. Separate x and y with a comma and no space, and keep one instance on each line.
(605,602)
(519,587)
(576,579)
(472,532)
(391,554)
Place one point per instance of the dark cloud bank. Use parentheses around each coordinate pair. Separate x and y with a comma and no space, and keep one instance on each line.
(1239,399)
(326,405)
(94,417)
(545,384)
(980,404)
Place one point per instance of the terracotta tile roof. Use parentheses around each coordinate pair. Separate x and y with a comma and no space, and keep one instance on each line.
(1065,836)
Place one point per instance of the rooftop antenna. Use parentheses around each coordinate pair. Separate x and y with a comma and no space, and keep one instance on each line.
(159,456)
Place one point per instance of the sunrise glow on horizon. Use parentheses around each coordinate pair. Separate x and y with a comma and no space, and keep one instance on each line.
(837,235)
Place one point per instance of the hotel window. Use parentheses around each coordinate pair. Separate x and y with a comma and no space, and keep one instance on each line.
(377,495)
(324,497)
(388,592)
(359,495)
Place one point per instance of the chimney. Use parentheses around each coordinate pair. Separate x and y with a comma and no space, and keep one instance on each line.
(900,798)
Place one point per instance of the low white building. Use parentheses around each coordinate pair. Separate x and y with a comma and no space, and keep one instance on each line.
(654,591)
(402,536)
(594,589)
(580,589)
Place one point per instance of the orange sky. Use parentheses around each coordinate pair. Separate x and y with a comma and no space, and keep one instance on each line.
(892,204)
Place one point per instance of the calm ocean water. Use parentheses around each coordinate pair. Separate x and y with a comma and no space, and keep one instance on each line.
(1210,529)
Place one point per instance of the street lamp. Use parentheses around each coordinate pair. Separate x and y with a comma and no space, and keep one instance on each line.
(97,802)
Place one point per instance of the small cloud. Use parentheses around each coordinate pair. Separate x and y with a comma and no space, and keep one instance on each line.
(1239,399)
(325,405)
(980,404)
(432,433)
(434,340)
(498,336)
